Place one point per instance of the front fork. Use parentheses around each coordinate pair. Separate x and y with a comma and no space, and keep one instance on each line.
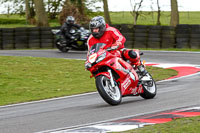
(111,78)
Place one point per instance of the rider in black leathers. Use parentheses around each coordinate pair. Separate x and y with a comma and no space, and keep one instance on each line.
(67,26)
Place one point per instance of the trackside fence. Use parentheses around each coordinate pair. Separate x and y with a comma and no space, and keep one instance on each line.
(137,36)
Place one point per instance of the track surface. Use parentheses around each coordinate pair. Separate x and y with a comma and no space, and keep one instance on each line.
(90,108)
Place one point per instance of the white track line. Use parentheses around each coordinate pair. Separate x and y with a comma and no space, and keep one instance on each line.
(101,123)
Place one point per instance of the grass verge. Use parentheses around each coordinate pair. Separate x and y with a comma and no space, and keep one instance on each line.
(173,49)
(25,79)
(182,125)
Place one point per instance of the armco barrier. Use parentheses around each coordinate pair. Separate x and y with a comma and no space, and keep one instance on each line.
(154,37)
(34,37)
(21,38)
(140,36)
(7,39)
(182,36)
(47,37)
(195,36)
(168,37)
(128,32)
(137,36)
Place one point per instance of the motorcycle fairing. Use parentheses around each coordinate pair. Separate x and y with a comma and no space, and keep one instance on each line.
(122,71)
(104,73)
(125,81)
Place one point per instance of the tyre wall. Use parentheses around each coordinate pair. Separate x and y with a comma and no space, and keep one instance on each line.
(137,36)
(8,38)
(140,36)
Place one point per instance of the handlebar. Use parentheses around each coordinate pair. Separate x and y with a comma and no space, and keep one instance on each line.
(111,49)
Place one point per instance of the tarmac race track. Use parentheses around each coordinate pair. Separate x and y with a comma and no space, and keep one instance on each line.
(80,110)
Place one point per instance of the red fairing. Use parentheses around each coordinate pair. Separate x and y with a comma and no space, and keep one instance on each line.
(110,36)
(104,73)
(127,84)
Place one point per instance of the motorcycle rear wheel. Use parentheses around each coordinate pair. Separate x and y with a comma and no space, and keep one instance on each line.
(111,95)
(150,89)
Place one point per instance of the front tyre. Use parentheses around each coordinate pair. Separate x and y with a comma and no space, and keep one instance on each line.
(149,87)
(60,46)
(112,95)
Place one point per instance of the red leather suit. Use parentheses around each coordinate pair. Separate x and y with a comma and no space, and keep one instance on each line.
(111,37)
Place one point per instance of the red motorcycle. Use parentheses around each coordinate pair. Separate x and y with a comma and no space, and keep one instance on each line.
(116,78)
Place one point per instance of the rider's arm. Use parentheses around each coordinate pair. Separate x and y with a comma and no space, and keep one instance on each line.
(77,26)
(118,37)
(67,34)
(65,31)
(62,29)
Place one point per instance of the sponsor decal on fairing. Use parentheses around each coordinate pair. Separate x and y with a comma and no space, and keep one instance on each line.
(126,83)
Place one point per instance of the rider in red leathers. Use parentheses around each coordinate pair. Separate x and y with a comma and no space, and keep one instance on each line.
(103,33)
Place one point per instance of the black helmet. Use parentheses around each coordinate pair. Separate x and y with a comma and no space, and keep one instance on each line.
(70,20)
(97,22)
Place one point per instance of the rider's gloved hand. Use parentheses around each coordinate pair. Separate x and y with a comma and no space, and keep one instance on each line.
(116,45)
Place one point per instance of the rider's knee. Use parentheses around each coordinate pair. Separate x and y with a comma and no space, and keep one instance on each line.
(129,54)
(132,54)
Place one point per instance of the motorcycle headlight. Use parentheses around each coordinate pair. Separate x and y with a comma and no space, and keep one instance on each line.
(92,58)
(101,57)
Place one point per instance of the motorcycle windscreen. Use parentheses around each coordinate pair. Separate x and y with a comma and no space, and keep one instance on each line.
(95,48)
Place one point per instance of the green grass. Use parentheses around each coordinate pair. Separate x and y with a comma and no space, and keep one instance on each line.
(19,21)
(25,79)
(149,18)
(182,125)
(146,18)
(173,49)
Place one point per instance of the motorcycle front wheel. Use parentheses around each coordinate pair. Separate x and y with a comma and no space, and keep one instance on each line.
(112,95)
(149,88)
(61,48)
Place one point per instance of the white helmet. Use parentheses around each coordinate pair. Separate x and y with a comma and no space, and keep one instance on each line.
(70,20)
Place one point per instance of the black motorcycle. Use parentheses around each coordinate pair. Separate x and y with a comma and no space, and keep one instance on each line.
(77,42)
